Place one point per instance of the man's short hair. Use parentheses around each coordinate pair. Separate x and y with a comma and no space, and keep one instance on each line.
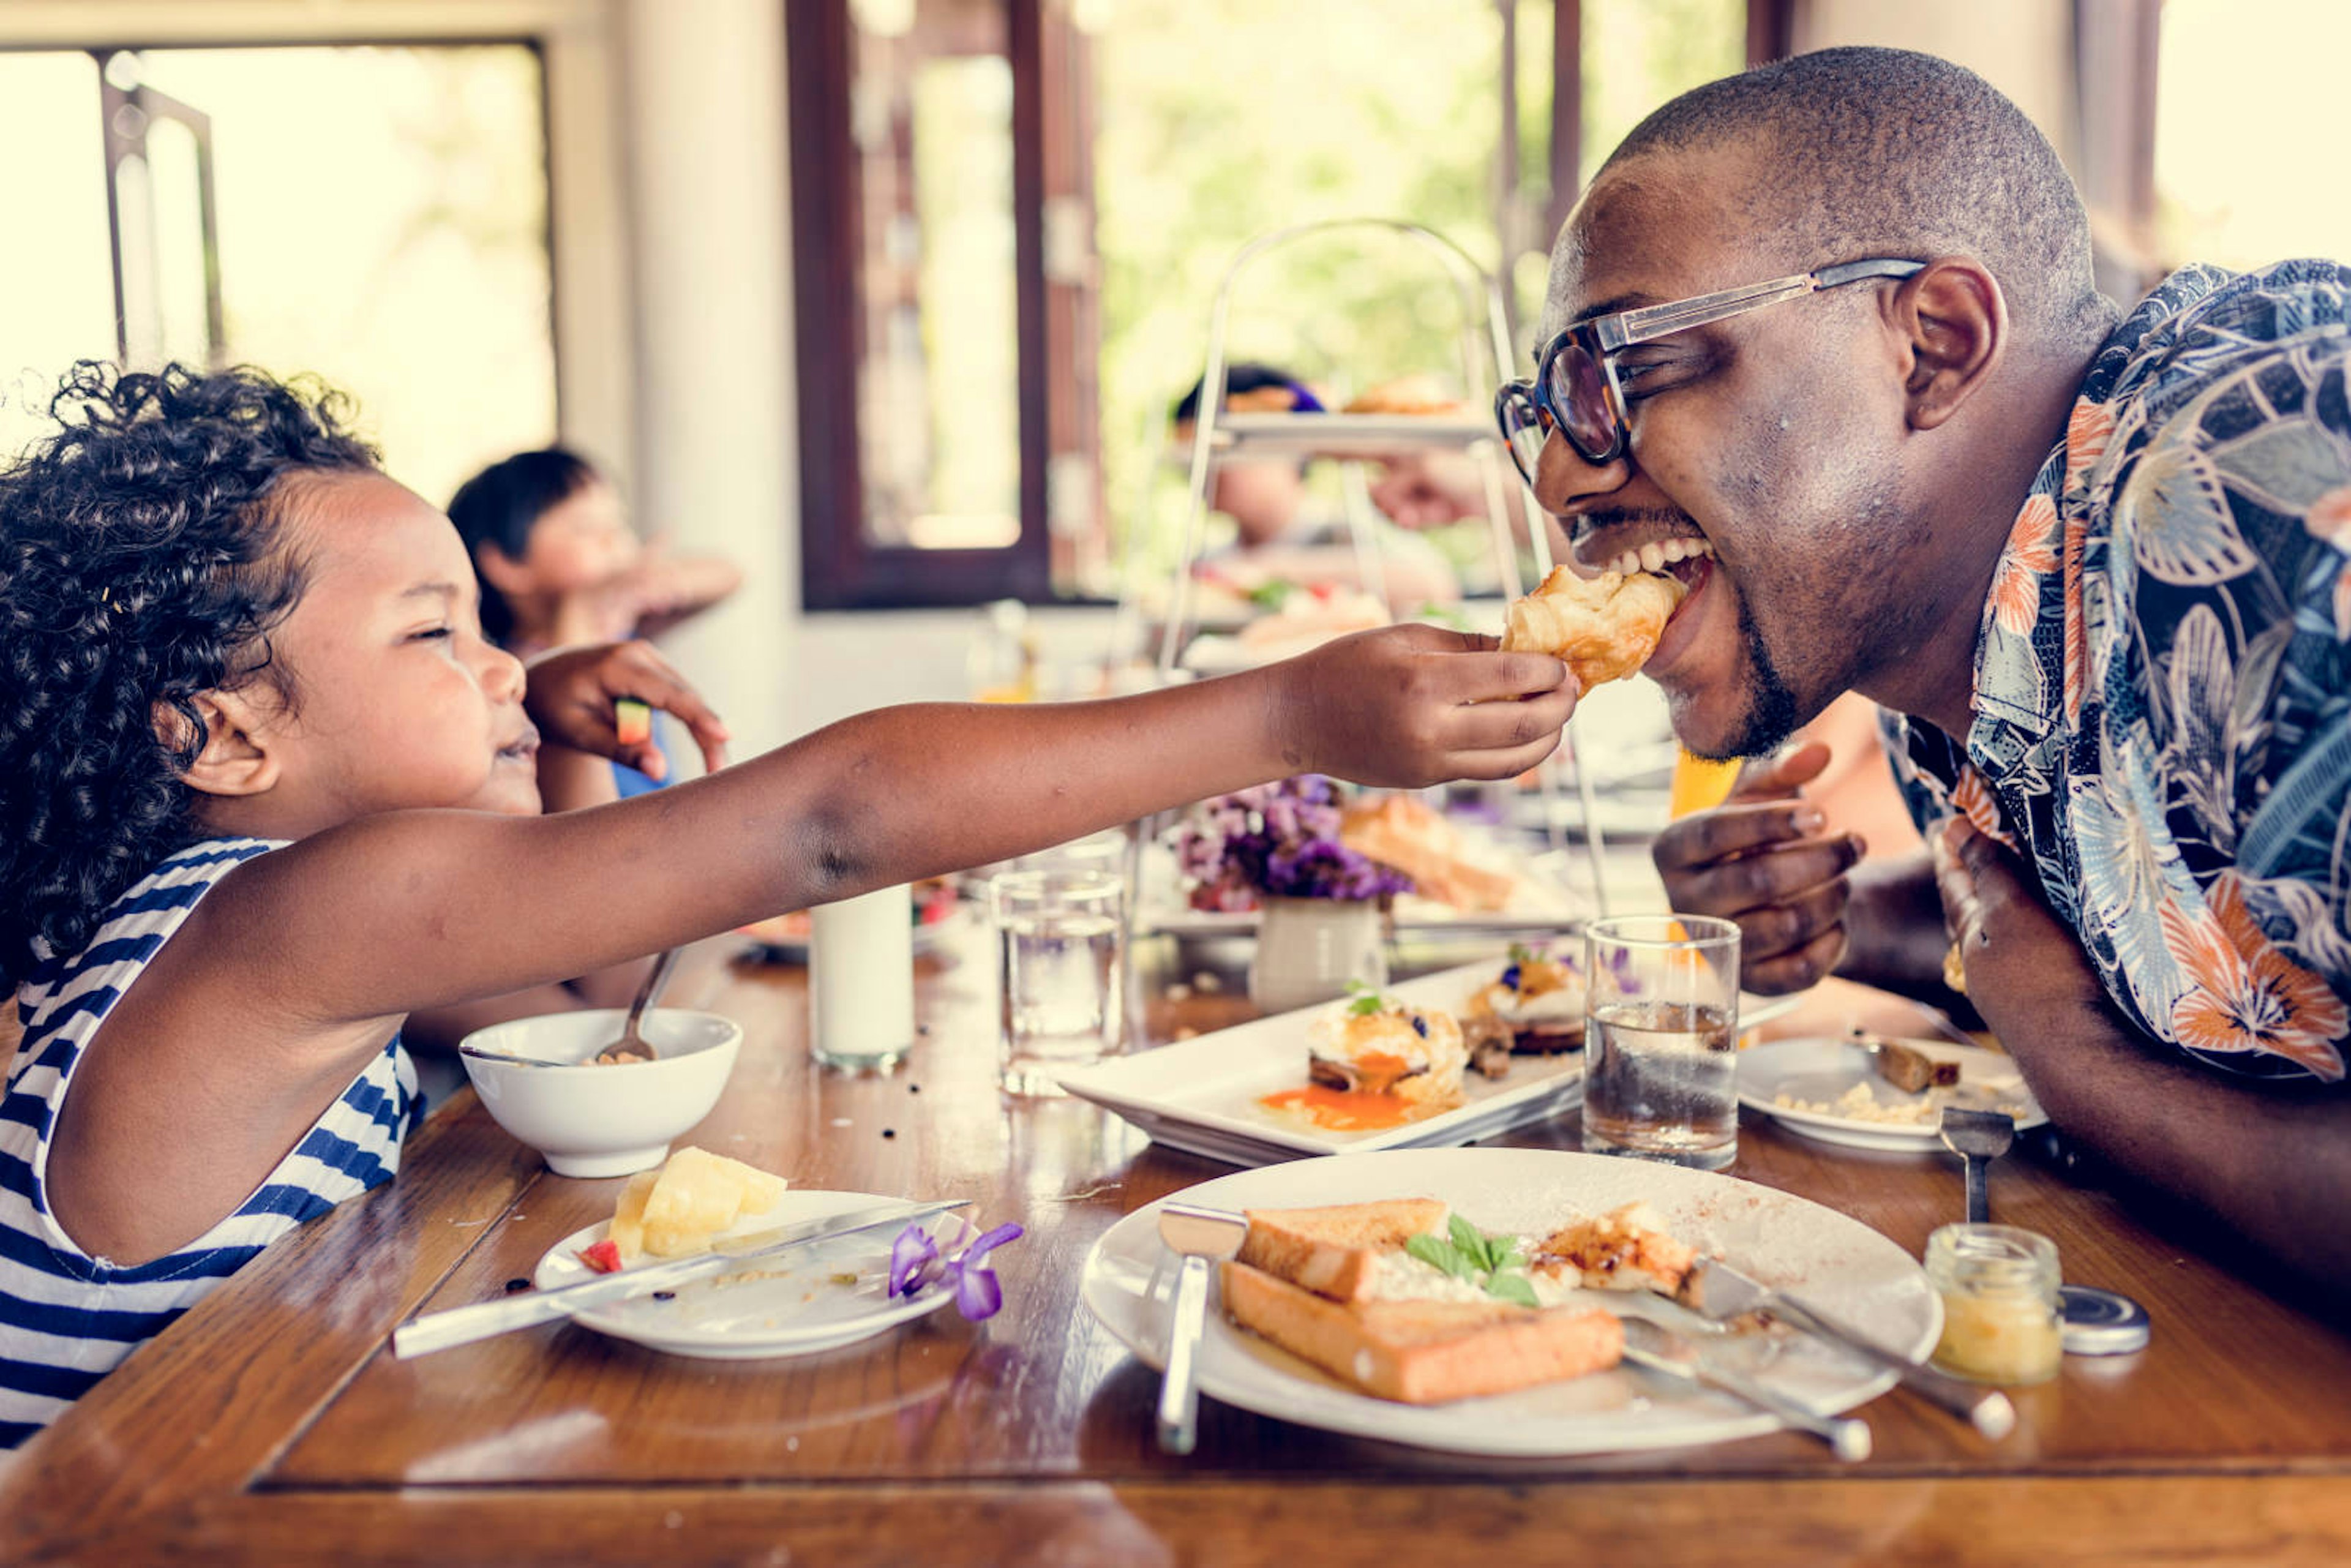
(1878,152)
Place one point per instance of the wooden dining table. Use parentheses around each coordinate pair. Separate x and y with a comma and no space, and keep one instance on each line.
(272,1424)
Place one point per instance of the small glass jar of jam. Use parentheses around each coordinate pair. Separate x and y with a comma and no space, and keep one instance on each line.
(2002,1318)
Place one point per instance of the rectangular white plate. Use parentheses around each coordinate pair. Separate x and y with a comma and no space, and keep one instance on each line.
(1200,1094)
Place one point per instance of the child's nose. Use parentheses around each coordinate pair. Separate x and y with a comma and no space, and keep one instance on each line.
(502,676)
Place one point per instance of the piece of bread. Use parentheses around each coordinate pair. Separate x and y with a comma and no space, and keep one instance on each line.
(1330,1251)
(1415,395)
(1605,627)
(1262,400)
(1405,833)
(1424,1353)
(1624,1250)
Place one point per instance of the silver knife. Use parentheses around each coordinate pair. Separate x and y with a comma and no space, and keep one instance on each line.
(1848,1437)
(1721,1290)
(463,1325)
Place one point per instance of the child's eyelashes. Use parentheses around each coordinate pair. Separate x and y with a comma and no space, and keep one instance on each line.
(432,633)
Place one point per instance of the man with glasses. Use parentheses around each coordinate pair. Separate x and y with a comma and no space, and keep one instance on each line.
(1822,340)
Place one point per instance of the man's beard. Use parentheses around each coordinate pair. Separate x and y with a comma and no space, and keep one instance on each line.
(1773,715)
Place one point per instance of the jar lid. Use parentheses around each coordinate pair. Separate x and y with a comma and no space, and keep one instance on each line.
(2100,1322)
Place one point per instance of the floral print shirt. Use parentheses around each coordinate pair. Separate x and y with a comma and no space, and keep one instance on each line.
(2162,711)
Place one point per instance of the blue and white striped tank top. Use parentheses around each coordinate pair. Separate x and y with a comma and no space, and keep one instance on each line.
(68,1319)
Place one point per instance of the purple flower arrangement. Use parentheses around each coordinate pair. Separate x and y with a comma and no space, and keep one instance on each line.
(1277,841)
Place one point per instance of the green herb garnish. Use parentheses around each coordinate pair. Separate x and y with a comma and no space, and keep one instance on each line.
(1438,615)
(1470,1253)
(1523,953)
(1271,594)
(1364,1000)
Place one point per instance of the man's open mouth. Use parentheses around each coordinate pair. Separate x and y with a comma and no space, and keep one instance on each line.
(1678,557)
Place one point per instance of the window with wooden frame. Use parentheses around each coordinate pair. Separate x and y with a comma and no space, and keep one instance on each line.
(949,300)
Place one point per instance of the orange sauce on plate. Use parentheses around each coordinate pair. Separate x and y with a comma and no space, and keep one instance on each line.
(1340,1110)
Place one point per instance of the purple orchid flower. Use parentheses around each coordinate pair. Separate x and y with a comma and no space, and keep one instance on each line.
(916,1263)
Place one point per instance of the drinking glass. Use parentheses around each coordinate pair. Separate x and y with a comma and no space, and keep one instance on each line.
(862,979)
(1661,1038)
(1060,944)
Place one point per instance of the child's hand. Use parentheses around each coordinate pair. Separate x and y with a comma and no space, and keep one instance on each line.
(1407,706)
(573,692)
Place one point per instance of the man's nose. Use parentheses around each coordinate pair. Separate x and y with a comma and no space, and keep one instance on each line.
(1565,484)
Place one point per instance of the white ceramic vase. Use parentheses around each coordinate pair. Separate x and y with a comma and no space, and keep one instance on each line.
(1308,948)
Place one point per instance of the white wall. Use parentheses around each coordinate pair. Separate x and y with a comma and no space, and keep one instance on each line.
(715,463)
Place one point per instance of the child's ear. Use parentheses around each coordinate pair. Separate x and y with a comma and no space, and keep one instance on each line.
(235,759)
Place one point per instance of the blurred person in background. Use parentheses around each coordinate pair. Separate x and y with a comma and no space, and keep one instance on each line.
(559,565)
(1283,534)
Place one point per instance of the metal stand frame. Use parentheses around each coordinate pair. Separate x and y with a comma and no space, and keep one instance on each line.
(1486,360)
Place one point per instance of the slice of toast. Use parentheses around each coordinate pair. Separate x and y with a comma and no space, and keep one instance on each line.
(1332,1250)
(1424,1353)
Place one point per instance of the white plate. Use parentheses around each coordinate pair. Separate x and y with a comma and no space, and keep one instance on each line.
(1822,1069)
(1201,1094)
(1838,1264)
(796,1310)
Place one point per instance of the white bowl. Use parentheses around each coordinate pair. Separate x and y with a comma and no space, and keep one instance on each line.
(592,1121)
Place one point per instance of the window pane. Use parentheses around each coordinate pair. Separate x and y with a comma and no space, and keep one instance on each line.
(57,289)
(382,222)
(1221,119)
(939,390)
(2218,199)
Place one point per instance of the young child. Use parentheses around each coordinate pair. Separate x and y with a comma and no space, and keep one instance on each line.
(245,684)
(557,564)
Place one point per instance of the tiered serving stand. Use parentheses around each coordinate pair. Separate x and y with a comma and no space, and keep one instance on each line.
(1354,440)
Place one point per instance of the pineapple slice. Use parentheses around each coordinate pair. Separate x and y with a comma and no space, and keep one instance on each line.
(628,1231)
(694,1197)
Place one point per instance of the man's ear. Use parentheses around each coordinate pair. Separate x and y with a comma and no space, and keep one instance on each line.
(237,758)
(1955,322)
(508,575)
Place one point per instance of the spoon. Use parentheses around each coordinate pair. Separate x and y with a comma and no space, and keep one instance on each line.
(1979,1137)
(632,1045)
(510,1057)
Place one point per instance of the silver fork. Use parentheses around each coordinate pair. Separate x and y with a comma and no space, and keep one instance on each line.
(1979,1137)
(1653,1349)
(1721,1290)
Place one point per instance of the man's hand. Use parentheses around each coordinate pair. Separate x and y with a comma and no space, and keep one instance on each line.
(1764,860)
(2273,1164)
(572,695)
(2025,970)
(1414,705)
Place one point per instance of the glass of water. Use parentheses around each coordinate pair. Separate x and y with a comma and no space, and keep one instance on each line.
(1060,944)
(1661,1039)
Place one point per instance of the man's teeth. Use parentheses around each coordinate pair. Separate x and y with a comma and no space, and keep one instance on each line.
(1657,555)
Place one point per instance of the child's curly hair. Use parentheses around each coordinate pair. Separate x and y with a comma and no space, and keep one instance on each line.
(140,566)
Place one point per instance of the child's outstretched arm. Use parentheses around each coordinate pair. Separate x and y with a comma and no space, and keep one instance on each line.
(458,906)
(297,967)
